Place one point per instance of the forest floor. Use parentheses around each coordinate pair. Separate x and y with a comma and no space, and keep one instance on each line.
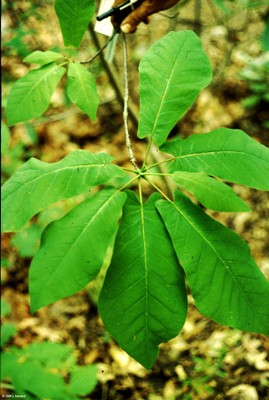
(205,361)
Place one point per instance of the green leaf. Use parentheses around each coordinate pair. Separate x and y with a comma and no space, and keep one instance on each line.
(213,194)
(83,379)
(30,95)
(27,241)
(74,17)
(73,249)
(42,57)
(143,299)
(49,354)
(5,308)
(225,282)
(81,89)
(172,73)
(5,138)
(229,154)
(29,376)
(7,332)
(37,184)
(251,101)
(222,6)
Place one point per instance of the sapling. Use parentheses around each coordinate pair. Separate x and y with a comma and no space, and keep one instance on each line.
(158,244)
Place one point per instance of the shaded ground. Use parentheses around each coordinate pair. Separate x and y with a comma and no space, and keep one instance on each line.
(205,361)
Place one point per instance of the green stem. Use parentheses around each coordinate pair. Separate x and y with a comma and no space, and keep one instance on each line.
(128,183)
(160,163)
(102,48)
(158,190)
(162,174)
(129,170)
(140,191)
(147,152)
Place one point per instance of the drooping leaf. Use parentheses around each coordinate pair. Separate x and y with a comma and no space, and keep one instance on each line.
(213,194)
(81,89)
(42,57)
(30,95)
(74,17)
(143,299)
(73,249)
(229,154)
(38,184)
(225,282)
(172,73)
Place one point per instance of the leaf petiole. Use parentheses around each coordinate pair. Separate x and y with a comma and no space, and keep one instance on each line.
(127,184)
(158,189)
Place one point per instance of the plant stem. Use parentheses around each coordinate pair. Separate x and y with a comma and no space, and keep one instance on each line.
(125,107)
(157,164)
(127,184)
(157,174)
(158,190)
(147,152)
(99,51)
(113,78)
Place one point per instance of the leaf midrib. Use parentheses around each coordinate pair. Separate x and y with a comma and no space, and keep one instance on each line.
(91,221)
(145,265)
(51,69)
(165,92)
(215,152)
(215,251)
(47,173)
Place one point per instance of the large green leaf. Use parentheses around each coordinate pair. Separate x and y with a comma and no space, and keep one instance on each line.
(74,248)
(74,17)
(172,73)
(81,89)
(213,194)
(37,184)
(42,57)
(30,95)
(229,154)
(143,300)
(225,282)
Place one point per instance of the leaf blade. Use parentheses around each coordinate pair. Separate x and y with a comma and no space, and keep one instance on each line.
(83,237)
(37,184)
(30,95)
(74,18)
(224,153)
(226,284)
(211,193)
(42,57)
(143,300)
(172,74)
(81,89)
